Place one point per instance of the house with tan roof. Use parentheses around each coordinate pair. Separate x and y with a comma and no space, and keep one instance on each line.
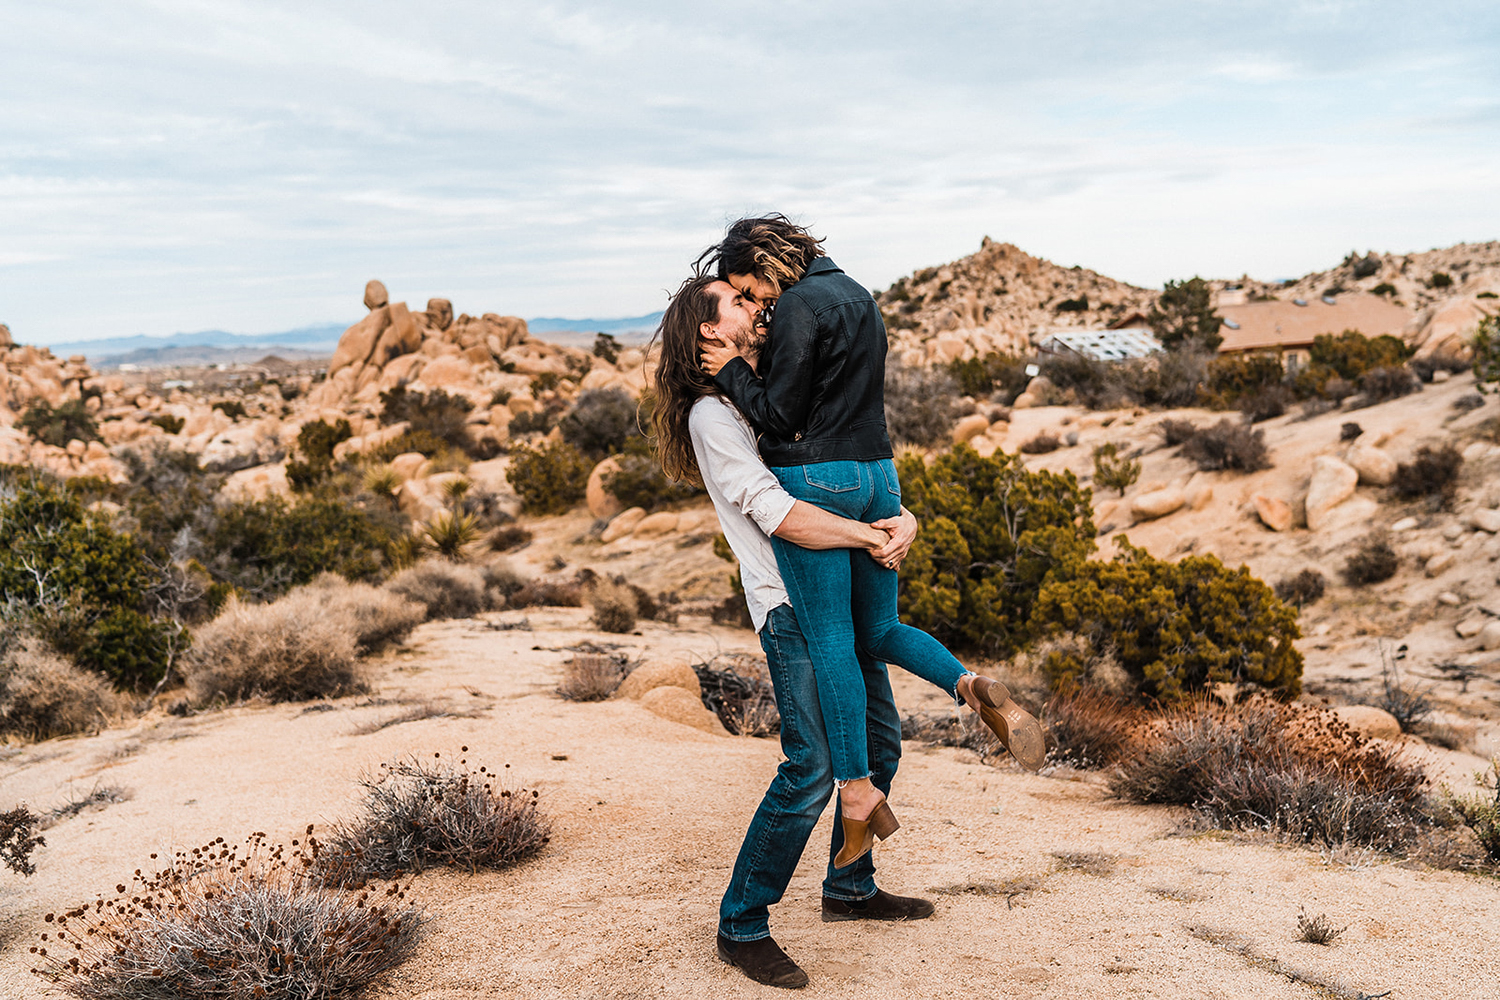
(1290,326)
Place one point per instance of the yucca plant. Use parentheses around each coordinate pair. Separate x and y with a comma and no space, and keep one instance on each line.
(454,491)
(382,480)
(450,531)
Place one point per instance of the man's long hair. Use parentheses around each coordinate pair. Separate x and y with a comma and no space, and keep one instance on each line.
(773,249)
(680,378)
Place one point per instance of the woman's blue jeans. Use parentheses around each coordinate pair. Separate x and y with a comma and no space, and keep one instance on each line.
(844,598)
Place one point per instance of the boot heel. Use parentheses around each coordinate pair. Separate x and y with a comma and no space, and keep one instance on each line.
(883,822)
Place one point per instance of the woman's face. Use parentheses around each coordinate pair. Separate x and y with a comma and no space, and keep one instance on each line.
(757,291)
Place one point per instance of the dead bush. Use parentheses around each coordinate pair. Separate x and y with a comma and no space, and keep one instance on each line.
(1087,728)
(1317,930)
(18,838)
(509,537)
(1372,562)
(445,589)
(1041,444)
(290,650)
(920,404)
(738,690)
(1388,382)
(500,581)
(614,605)
(1176,431)
(419,814)
(1303,589)
(229,922)
(592,676)
(1431,474)
(548,593)
(1228,444)
(1298,772)
(378,617)
(43,695)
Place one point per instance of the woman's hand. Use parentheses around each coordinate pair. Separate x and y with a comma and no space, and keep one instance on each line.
(901,531)
(717,354)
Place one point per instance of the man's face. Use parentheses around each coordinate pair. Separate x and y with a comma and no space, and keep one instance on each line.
(738,319)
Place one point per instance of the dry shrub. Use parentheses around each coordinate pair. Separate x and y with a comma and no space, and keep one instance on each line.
(591,676)
(1087,728)
(1041,444)
(615,606)
(378,617)
(43,694)
(1299,772)
(1303,589)
(1480,813)
(548,593)
(218,923)
(1432,473)
(18,839)
(445,589)
(738,689)
(1176,431)
(509,537)
(500,582)
(1317,930)
(1228,444)
(419,815)
(1388,382)
(1372,562)
(291,650)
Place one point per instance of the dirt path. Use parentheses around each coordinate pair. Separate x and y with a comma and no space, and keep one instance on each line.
(648,816)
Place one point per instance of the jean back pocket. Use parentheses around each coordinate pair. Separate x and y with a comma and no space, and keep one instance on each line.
(832,477)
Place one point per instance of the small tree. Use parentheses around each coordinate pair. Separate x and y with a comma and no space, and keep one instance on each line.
(1184,314)
(1113,472)
(549,479)
(1486,346)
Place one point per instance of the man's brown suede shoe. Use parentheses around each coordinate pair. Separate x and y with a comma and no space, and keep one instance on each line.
(763,961)
(881,906)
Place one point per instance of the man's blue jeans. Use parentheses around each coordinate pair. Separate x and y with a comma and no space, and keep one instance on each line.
(848,600)
(803,784)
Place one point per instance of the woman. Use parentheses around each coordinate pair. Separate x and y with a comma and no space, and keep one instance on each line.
(819,405)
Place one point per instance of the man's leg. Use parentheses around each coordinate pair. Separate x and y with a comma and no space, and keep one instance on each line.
(790,809)
(850,893)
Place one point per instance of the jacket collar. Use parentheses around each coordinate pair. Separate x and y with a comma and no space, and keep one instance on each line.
(821,265)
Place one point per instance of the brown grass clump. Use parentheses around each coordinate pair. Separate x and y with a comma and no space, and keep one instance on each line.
(591,676)
(221,921)
(1087,728)
(419,815)
(43,694)
(292,650)
(378,617)
(1317,930)
(1300,773)
(445,589)
(615,606)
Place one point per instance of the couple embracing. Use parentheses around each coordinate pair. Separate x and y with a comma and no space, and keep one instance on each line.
(770,391)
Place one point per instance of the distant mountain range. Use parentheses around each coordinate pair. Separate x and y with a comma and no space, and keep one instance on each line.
(222,347)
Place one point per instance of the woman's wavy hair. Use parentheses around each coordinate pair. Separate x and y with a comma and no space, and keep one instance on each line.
(773,249)
(680,380)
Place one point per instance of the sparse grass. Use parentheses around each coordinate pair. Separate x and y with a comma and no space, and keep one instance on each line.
(1088,862)
(1372,562)
(43,695)
(1407,705)
(592,676)
(424,814)
(445,589)
(96,798)
(1297,772)
(1011,888)
(1317,930)
(416,713)
(1481,813)
(291,650)
(230,922)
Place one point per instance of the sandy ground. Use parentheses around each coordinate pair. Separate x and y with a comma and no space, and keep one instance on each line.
(648,815)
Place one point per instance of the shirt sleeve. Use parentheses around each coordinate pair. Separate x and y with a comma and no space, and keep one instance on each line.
(778,401)
(728,460)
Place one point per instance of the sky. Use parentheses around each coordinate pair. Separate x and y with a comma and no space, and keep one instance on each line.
(181,165)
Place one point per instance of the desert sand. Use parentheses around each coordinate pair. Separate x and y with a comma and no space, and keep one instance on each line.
(1045,887)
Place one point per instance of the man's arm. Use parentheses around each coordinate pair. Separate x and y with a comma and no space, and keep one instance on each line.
(812,527)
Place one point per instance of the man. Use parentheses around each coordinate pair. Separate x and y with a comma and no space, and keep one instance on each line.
(701,435)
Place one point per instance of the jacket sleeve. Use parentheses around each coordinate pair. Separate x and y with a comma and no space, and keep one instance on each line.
(777,403)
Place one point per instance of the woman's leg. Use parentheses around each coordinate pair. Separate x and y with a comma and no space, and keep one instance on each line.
(821,589)
(877,625)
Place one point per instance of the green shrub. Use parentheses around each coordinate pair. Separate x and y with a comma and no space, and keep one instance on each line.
(1184,315)
(1176,628)
(231,408)
(607,347)
(169,423)
(450,531)
(1347,356)
(1486,348)
(1384,288)
(315,442)
(1440,279)
(535,422)
(1078,305)
(69,422)
(1165,379)
(422,442)
(1003,373)
(266,546)
(1113,472)
(992,532)
(641,483)
(544,382)
(1233,377)
(434,412)
(920,404)
(550,479)
(18,839)
(1481,813)
(601,421)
